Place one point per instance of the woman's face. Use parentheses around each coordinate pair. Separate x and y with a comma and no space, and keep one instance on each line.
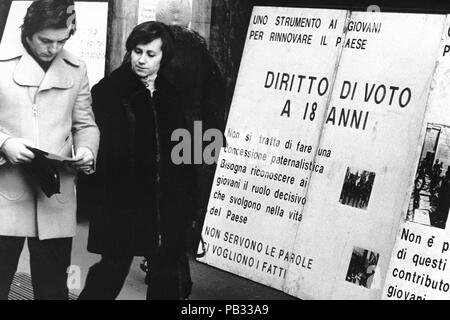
(146,58)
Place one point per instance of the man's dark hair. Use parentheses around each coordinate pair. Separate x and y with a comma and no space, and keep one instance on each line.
(147,32)
(49,14)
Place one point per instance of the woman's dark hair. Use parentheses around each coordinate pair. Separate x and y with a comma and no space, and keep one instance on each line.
(147,32)
(49,14)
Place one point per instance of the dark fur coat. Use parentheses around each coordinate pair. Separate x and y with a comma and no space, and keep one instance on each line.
(139,201)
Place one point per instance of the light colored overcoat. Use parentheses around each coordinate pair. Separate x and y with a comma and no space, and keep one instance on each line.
(53,110)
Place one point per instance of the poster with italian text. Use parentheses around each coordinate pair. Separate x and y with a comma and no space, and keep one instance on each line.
(418,268)
(322,142)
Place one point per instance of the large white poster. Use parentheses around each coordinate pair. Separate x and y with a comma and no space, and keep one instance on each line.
(322,140)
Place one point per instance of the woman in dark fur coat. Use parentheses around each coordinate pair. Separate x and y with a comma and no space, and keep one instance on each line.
(141,198)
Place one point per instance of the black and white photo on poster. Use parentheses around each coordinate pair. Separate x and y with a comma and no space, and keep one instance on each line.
(430,198)
(362,267)
(357,188)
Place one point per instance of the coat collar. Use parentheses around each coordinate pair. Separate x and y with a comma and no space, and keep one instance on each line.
(125,81)
(29,73)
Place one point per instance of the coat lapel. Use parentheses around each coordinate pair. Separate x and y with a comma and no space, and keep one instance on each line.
(59,75)
(29,73)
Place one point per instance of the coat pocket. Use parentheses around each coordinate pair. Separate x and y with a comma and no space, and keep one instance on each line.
(67,185)
(12,183)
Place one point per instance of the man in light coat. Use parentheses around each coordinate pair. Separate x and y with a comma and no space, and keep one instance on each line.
(45,103)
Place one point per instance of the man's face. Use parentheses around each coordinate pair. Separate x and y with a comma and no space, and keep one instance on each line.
(47,43)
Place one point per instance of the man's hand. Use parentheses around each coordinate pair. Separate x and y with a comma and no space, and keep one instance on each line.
(84,160)
(15,150)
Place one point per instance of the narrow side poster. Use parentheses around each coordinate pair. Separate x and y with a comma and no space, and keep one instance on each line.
(419,264)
